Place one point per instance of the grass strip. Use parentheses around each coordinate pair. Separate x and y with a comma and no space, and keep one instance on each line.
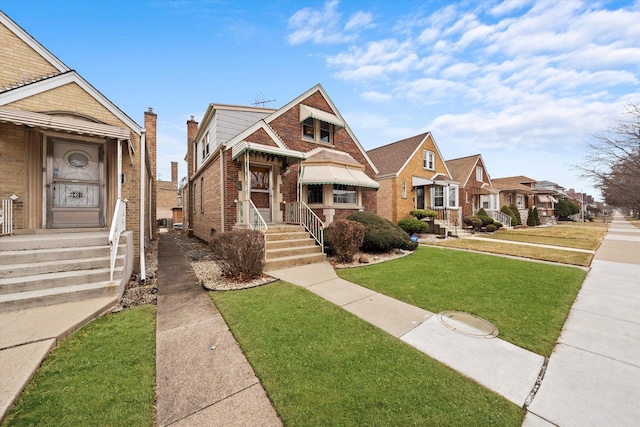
(527,301)
(561,256)
(591,241)
(322,366)
(103,374)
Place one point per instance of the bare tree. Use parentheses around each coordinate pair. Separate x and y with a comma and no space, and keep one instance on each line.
(613,162)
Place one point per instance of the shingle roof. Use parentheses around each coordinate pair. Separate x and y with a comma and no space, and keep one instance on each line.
(390,158)
(513,182)
(463,167)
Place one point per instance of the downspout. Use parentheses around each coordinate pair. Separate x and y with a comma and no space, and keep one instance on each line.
(119,169)
(143,178)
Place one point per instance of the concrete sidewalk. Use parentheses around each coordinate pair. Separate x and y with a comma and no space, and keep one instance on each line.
(202,376)
(593,375)
(498,365)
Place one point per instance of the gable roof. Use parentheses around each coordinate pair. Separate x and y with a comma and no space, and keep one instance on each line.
(462,169)
(34,86)
(514,183)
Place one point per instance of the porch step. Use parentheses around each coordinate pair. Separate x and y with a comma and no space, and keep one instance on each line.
(273,254)
(27,256)
(295,260)
(61,279)
(292,243)
(57,266)
(56,295)
(273,236)
(52,241)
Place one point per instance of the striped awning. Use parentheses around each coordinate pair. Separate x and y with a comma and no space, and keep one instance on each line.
(252,147)
(306,112)
(336,174)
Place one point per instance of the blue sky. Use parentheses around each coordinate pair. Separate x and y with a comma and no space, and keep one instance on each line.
(524,83)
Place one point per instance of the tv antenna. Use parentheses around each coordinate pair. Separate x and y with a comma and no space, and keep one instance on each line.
(262,100)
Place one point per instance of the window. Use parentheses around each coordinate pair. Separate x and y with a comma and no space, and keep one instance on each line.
(317,130)
(195,185)
(452,196)
(520,201)
(479,174)
(206,145)
(314,194)
(344,194)
(202,195)
(484,201)
(438,197)
(404,190)
(428,161)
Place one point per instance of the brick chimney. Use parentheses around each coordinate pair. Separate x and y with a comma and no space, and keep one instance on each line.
(150,122)
(174,173)
(188,202)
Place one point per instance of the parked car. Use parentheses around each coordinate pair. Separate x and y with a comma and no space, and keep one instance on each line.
(177,226)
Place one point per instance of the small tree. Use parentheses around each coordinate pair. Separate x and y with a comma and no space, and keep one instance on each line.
(531,220)
(536,217)
(507,211)
(565,208)
(240,254)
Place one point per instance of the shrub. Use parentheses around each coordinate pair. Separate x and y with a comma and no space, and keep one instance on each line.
(498,224)
(345,237)
(240,254)
(516,213)
(423,213)
(536,217)
(473,221)
(531,220)
(412,225)
(507,211)
(566,208)
(486,219)
(482,212)
(381,235)
(491,228)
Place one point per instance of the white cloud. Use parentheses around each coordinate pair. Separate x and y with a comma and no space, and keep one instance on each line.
(359,20)
(377,97)
(508,6)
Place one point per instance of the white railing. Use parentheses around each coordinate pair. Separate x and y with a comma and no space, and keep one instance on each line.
(501,217)
(118,225)
(300,213)
(6,216)
(247,215)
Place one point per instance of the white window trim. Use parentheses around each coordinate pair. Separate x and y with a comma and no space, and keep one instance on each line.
(316,132)
(479,174)
(404,190)
(428,160)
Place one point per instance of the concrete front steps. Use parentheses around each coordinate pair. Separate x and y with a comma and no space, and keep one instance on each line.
(51,268)
(290,246)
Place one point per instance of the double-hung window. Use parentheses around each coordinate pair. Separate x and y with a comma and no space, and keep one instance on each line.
(428,160)
(438,197)
(344,194)
(479,173)
(452,196)
(317,130)
(314,194)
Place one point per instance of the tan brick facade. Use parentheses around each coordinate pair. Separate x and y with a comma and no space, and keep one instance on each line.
(20,62)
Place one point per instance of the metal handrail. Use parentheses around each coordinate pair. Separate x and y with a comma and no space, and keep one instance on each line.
(248,214)
(118,225)
(499,216)
(6,216)
(300,213)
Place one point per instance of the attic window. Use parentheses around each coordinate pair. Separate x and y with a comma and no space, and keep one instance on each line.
(428,160)
(317,131)
(479,173)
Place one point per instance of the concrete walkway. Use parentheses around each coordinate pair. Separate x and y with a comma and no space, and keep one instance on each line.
(202,376)
(593,375)
(498,365)
(28,335)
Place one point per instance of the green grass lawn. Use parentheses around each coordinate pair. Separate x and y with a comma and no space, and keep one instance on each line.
(102,375)
(322,366)
(527,301)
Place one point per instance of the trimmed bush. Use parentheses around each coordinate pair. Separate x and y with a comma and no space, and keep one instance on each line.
(412,225)
(536,217)
(516,213)
(473,221)
(531,220)
(482,212)
(491,228)
(507,211)
(345,237)
(239,253)
(381,235)
(423,213)
(486,219)
(498,224)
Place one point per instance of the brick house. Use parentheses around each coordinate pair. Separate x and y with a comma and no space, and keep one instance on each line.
(519,190)
(260,167)
(413,175)
(167,198)
(476,188)
(69,157)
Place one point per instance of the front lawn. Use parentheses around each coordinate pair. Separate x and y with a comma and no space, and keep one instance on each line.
(527,301)
(571,235)
(322,366)
(102,375)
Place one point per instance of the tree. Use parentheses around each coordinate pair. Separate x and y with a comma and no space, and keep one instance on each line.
(613,162)
(181,185)
(536,216)
(565,208)
(531,219)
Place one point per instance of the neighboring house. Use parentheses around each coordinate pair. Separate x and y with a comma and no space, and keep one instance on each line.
(413,175)
(518,190)
(256,167)
(547,195)
(476,189)
(167,198)
(69,156)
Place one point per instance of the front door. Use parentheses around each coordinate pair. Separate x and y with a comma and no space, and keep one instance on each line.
(261,190)
(420,197)
(74,185)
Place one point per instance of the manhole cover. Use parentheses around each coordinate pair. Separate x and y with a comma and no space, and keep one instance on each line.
(467,324)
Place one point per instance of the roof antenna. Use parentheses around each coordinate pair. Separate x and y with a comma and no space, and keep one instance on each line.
(262,100)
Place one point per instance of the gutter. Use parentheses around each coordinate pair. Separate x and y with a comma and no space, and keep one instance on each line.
(143,178)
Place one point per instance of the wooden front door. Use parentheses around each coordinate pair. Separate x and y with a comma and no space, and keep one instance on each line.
(261,190)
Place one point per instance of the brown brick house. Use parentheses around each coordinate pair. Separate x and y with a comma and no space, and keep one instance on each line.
(257,167)
(519,190)
(413,175)
(69,157)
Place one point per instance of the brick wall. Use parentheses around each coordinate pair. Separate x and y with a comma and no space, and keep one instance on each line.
(150,121)
(207,212)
